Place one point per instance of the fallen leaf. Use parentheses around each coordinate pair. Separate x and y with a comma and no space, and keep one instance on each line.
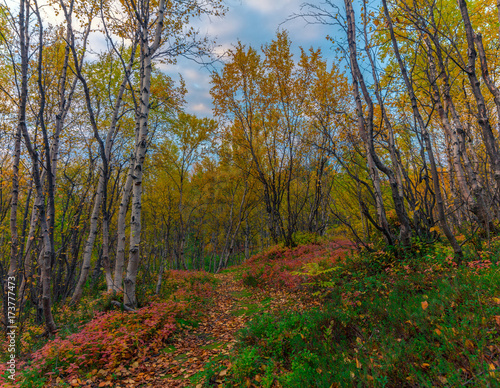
(425,304)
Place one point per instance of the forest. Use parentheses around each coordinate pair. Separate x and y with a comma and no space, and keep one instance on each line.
(334,222)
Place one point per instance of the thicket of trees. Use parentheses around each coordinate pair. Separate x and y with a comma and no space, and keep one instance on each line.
(104,176)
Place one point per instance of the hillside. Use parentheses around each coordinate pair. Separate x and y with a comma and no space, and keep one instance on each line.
(319,315)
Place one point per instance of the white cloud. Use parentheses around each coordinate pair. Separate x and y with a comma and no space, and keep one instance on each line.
(268,7)
(222,49)
(226,26)
(201,109)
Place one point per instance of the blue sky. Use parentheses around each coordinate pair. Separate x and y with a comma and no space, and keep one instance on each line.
(253,22)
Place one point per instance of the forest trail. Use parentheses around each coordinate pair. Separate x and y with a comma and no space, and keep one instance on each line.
(215,336)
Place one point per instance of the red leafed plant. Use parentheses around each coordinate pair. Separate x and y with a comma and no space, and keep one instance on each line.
(112,338)
(276,266)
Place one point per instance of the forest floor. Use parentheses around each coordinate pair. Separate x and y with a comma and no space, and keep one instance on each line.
(311,316)
(192,351)
(199,354)
(215,336)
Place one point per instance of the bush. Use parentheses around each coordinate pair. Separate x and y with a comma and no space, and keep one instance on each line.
(417,322)
(280,268)
(115,339)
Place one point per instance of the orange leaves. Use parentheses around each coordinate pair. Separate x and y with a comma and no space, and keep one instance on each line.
(110,340)
(261,94)
(424,304)
(469,344)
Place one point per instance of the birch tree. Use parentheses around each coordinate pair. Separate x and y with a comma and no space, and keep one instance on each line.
(162,32)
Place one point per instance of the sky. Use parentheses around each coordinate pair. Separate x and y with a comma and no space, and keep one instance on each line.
(254,23)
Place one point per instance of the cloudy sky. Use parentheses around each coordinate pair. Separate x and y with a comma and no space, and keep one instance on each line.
(253,22)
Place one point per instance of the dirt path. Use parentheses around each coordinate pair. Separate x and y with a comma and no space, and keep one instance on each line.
(185,359)
(192,349)
(215,336)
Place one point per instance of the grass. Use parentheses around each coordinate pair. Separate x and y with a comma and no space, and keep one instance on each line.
(417,321)
(250,308)
(213,345)
(387,319)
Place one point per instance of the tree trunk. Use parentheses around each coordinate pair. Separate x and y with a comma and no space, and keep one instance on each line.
(394,174)
(121,226)
(473,203)
(21,124)
(100,199)
(147,52)
(366,126)
(482,113)
(426,139)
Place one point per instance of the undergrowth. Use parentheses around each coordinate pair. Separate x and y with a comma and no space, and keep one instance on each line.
(96,339)
(387,320)
(275,267)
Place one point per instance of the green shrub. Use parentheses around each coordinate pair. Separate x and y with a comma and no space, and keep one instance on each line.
(409,322)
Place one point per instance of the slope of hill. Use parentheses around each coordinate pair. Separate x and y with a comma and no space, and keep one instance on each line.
(318,315)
